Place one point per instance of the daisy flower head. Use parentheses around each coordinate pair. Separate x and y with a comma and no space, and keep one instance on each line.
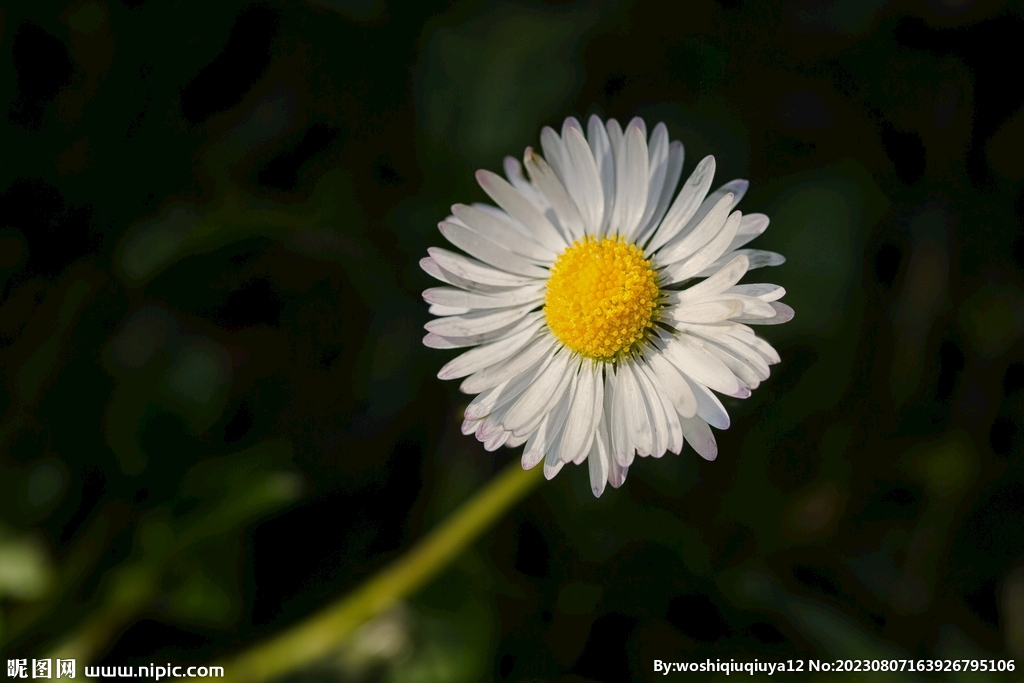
(600,308)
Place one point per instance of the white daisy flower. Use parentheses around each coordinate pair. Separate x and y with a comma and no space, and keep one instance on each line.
(602,315)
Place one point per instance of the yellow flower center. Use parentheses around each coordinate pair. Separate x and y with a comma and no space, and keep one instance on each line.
(601,297)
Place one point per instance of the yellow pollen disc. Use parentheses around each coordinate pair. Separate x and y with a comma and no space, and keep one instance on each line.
(601,297)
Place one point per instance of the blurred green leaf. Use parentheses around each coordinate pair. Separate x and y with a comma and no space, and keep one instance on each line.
(25,569)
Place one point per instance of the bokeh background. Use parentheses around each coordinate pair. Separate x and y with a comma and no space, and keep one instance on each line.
(217,415)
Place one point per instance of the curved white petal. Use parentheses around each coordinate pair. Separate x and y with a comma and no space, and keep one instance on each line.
(673,170)
(536,400)
(521,209)
(485,355)
(601,149)
(583,180)
(631,180)
(725,278)
(493,375)
(496,230)
(658,442)
(459,298)
(763,291)
(686,204)
(560,201)
(580,424)
(695,265)
(698,434)
(687,245)
(489,252)
(757,258)
(477,322)
(477,271)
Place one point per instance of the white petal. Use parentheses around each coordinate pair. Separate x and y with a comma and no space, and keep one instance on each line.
(554,150)
(551,469)
(583,180)
(746,372)
(655,412)
(497,441)
(601,148)
(673,169)
(559,421)
(486,355)
(765,349)
(697,432)
(563,205)
(738,347)
(657,169)
(677,388)
(737,188)
(505,394)
(752,306)
(709,253)
(725,278)
(617,474)
(489,252)
(783,314)
(484,402)
(521,209)
(597,463)
(488,226)
(709,408)
(674,434)
(457,298)
(514,173)
(752,225)
(533,453)
(472,269)
(705,311)
(634,429)
(550,429)
(514,440)
(538,398)
(477,322)
(615,137)
(493,375)
(631,184)
(638,123)
(438,341)
(685,205)
(598,412)
(757,258)
(689,356)
(761,290)
(434,269)
(568,124)
(437,309)
(580,425)
(508,221)
(687,245)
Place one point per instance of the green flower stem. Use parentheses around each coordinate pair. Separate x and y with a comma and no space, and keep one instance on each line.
(323,632)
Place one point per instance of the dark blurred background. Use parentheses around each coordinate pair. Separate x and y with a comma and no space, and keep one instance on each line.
(217,414)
